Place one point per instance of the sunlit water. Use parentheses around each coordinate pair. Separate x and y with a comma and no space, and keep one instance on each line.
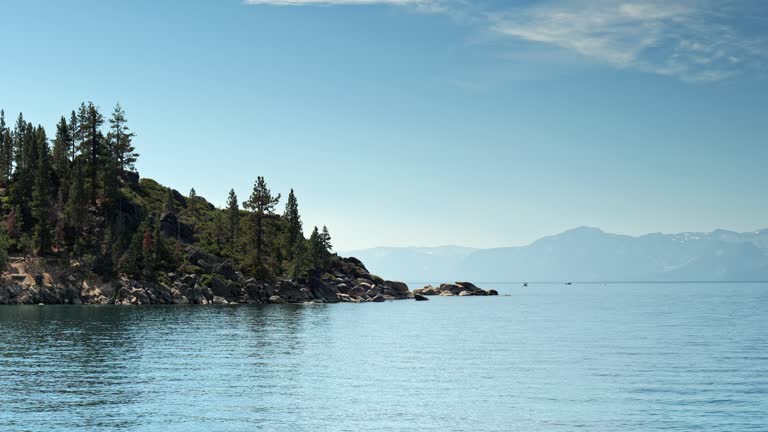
(632,357)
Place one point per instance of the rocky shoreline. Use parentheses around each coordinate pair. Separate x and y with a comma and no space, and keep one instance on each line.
(204,279)
(207,279)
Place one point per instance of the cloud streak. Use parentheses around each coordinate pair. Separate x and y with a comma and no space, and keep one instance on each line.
(693,40)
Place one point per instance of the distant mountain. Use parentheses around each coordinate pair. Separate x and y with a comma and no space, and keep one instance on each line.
(584,254)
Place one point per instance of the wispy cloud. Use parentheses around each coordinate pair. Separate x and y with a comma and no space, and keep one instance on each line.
(693,40)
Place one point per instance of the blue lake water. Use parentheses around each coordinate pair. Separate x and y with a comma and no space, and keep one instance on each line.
(549,357)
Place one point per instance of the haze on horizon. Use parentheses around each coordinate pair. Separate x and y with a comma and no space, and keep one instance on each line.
(424,122)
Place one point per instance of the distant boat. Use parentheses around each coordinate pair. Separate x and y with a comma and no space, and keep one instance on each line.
(525,284)
(569,283)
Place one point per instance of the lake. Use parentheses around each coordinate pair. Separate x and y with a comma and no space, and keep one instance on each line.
(549,357)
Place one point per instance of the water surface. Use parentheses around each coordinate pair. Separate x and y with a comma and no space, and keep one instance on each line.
(550,357)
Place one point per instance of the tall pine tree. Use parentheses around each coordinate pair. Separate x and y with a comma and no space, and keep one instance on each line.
(292,219)
(262,205)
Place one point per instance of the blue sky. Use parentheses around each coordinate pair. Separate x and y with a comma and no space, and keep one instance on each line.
(424,122)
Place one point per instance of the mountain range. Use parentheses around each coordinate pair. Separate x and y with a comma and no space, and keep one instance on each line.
(584,254)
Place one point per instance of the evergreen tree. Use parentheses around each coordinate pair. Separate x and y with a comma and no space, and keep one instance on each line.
(317,249)
(41,199)
(6,150)
(233,216)
(262,205)
(294,224)
(75,210)
(192,194)
(90,121)
(74,130)
(121,141)
(299,253)
(325,236)
(61,145)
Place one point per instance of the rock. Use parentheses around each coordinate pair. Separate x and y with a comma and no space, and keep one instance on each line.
(452,288)
(378,299)
(171,227)
(493,292)
(465,293)
(419,297)
(469,286)
(219,300)
(343,288)
(373,292)
(276,299)
(327,292)
(359,291)
(224,288)
(428,290)
(446,293)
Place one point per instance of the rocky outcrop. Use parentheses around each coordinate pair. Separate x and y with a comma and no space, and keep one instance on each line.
(202,279)
(461,289)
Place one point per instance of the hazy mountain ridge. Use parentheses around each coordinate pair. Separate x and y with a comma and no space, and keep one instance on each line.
(586,254)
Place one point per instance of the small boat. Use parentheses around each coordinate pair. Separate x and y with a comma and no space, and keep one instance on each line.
(569,283)
(525,284)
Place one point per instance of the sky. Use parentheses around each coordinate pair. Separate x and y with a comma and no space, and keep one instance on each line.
(424,122)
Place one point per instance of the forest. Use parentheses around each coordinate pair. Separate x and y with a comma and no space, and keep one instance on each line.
(76,200)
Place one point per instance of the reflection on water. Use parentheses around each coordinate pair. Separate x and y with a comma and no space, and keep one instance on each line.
(546,357)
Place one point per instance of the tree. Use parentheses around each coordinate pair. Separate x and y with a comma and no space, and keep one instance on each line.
(6,150)
(90,121)
(262,205)
(317,249)
(121,141)
(233,216)
(294,225)
(41,195)
(61,145)
(74,130)
(325,236)
(75,210)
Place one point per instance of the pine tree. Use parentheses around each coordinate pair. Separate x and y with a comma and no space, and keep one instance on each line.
(75,208)
(233,217)
(74,130)
(294,224)
(6,150)
(262,205)
(90,121)
(41,200)
(298,254)
(121,141)
(61,145)
(317,249)
(325,236)
(192,194)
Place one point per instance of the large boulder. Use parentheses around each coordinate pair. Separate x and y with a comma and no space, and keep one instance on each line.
(419,297)
(452,288)
(327,292)
(171,227)
(359,290)
(224,288)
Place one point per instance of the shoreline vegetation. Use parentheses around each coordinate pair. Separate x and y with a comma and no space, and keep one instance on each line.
(79,226)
